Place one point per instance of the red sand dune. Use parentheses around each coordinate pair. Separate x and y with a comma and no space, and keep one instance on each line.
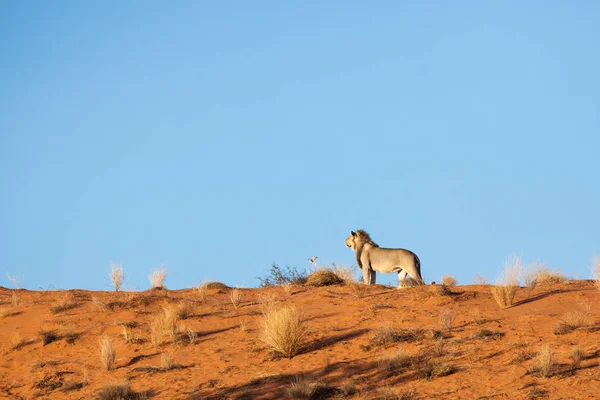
(227,360)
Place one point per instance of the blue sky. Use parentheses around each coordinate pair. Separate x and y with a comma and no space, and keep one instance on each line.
(219,137)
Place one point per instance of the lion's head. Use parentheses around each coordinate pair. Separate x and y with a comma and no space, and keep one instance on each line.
(358,238)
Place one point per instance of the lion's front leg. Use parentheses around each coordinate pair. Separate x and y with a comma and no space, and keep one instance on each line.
(366,274)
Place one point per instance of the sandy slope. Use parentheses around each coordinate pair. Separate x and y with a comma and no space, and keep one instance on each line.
(227,359)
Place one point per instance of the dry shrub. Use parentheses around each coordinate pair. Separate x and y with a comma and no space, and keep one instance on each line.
(442,290)
(386,335)
(479,280)
(131,338)
(411,282)
(596,273)
(267,301)
(506,288)
(347,388)
(192,335)
(577,354)
(120,391)
(389,393)
(107,353)
(487,334)
(117,276)
(101,304)
(184,310)
(438,347)
(202,291)
(396,364)
(345,273)
(544,362)
(537,274)
(166,362)
(48,336)
(303,388)
(323,277)
(216,285)
(284,330)
(447,318)
(358,290)
(571,321)
(17,341)
(430,369)
(64,302)
(236,297)
(157,278)
(288,288)
(448,281)
(163,327)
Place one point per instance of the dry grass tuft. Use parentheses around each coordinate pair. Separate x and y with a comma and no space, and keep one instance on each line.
(396,364)
(386,335)
(120,391)
(577,354)
(202,289)
(236,297)
(184,310)
(447,318)
(389,393)
(163,327)
(101,304)
(544,362)
(284,330)
(303,388)
(449,281)
(358,290)
(411,282)
(48,336)
(131,338)
(538,275)
(166,362)
(477,316)
(64,303)
(442,290)
(429,369)
(506,289)
(596,273)
(479,280)
(6,312)
(216,285)
(288,288)
(345,273)
(347,388)
(157,278)
(107,353)
(323,277)
(487,334)
(571,321)
(267,301)
(117,276)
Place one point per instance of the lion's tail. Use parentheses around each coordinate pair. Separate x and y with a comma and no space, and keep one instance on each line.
(418,268)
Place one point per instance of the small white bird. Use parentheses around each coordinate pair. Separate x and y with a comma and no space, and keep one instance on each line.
(313,260)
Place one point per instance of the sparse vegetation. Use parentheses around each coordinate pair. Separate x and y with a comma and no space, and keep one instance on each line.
(447,318)
(131,338)
(571,321)
(117,276)
(120,391)
(596,273)
(396,364)
(6,312)
(163,327)
(323,277)
(157,278)
(303,388)
(203,291)
(577,354)
(166,362)
(537,274)
(449,281)
(107,353)
(64,303)
(279,276)
(544,362)
(387,335)
(184,310)
(505,290)
(429,369)
(479,280)
(477,316)
(101,304)
(48,336)
(284,330)
(236,297)
(267,301)
(485,334)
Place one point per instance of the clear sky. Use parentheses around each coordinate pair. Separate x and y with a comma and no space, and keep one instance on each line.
(219,137)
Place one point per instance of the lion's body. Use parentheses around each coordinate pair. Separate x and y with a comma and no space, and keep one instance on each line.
(371,258)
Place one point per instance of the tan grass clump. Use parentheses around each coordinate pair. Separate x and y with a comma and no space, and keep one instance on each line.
(571,321)
(449,281)
(117,276)
(184,310)
(505,290)
(447,318)
(17,341)
(596,273)
(120,391)
(157,278)
(303,388)
(386,335)
(107,353)
(216,285)
(64,303)
(267,302)
(323,277)
(344,273)
(236,297)
(284,330)
(577,354)
(48,336)
(163,327)
(396,364)
(544,362)
(202,289)
(131,338)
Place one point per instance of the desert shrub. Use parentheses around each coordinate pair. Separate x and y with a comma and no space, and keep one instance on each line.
(284,330)
(544,362)
(157,278)
(485,334)
(571,321)
(303,388)
(447,318)
(596,273)
(479,280)
(477,316)
(323,277)
(448,281)
(506,288)
(411,282)
(279,276)
(267,301)
(131,338)
(202,289)
(120,391)
(48,336)
(386,335)
(107,353)
(396,364)
(64,303)
(428,369)
(390,393)
(184,310)
(216,285)
(538,275)
(163,327)
(577,354)
(236,297)
(117,276)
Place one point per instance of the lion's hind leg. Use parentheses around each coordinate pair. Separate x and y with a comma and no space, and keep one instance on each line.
(401,278)
(373,276)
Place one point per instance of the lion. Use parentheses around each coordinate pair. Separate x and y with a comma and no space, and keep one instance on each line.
(371,258)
